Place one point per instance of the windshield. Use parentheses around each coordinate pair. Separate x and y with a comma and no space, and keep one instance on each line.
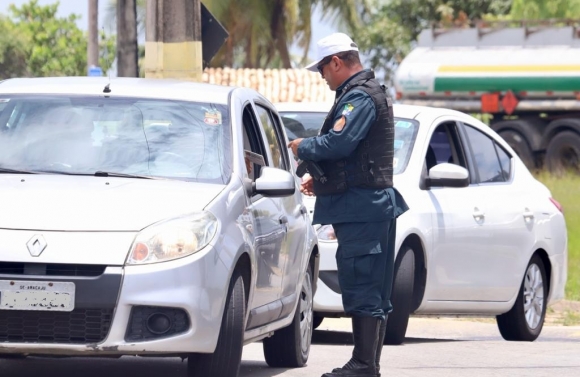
(132,136)
(307,124)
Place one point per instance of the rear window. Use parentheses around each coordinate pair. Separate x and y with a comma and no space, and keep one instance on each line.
(83,135)
(308,124)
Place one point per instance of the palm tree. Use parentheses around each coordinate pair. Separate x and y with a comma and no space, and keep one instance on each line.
(127,45)
(93,42)
(262,31)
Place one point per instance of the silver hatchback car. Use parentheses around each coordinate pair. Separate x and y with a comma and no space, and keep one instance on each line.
(151,217)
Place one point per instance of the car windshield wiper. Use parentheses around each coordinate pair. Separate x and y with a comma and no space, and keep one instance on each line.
(120,175)
(16,171)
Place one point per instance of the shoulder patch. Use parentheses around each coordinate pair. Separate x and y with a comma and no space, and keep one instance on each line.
(348,108)
(339,124)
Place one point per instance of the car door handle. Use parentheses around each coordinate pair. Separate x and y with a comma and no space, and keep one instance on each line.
(283,220)
(528,215)
(477,214)
(303,209)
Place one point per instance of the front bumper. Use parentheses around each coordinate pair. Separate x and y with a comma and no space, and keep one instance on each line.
(197,284)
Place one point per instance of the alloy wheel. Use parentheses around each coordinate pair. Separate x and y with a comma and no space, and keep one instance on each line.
(533,296)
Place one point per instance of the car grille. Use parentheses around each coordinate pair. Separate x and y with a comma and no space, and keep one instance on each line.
(77,327)
(52,269)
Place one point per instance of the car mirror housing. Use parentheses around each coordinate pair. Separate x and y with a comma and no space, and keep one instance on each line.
(448,175)
(275,183)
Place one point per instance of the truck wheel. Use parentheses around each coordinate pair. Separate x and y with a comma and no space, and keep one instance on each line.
(402,297)
(563,153)
(226,359)
(289,347)
(520,145)
(525,320)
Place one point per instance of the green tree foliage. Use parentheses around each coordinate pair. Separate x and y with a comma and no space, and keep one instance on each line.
(545,9)
(392,26)
(107,50)
(56,46)
(35,42)
(13,53)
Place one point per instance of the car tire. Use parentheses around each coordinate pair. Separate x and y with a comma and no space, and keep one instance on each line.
(317,321)
(289,347)
(13,356)
(525,320)
(563,153)
(402,297)
(226,359)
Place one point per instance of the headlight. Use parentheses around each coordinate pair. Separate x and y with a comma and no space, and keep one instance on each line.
(326,233)
(173,239)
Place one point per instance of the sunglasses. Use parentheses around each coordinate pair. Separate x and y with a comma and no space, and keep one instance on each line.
(323,62)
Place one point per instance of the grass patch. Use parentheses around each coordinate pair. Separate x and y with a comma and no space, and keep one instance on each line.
(571,318)
(566,190)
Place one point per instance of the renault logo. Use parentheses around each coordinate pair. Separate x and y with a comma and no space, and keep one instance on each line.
(36,245)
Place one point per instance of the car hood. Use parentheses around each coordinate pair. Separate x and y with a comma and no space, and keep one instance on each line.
(86,203)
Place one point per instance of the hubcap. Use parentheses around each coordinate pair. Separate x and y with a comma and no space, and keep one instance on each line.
(533,296)
(306,314)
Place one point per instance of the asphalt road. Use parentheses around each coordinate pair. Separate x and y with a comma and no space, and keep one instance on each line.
(434,348)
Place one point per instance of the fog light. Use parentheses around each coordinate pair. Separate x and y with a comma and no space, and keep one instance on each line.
(158,323)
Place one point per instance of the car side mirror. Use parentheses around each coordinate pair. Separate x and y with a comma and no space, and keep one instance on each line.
(448,175)
(274,183)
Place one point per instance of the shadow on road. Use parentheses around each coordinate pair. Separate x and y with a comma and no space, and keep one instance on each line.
(93,367)
(123,367)
(341,338)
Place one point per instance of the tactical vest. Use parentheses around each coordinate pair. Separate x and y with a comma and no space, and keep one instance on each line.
(373,157)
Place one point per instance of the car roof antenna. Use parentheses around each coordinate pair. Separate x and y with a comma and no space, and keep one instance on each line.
(107,87)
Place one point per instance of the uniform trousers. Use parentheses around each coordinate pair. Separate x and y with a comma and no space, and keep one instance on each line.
(365,261)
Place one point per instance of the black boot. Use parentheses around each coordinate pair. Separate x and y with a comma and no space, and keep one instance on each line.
(382,332)
(365,333)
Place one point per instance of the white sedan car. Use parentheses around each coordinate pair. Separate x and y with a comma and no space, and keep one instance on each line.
(153,218)
(482,236)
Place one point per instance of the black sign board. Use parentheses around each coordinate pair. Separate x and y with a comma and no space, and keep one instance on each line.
(213,35)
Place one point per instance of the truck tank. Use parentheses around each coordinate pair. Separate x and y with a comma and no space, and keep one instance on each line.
(526,78)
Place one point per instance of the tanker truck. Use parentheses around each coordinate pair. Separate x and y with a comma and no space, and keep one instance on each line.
(524,80)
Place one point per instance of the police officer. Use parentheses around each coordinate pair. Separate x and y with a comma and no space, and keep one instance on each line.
(355,151)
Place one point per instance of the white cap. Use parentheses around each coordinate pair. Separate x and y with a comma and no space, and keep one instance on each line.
(330,45)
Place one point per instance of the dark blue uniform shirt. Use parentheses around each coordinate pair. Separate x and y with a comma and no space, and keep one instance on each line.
(356,204)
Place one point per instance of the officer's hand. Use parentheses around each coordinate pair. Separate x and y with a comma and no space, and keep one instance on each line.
(307,186)
(294,145)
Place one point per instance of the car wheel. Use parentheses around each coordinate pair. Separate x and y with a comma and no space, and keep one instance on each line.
(402,297)
(289,347)
(525,320)
(225,361)
(317,321)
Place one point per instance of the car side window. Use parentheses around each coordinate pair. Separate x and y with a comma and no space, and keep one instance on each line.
(272,131)
(254,151)
(487,157)
(505,160)
(444,147)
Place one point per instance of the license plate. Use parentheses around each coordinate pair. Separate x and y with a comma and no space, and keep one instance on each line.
(37,295)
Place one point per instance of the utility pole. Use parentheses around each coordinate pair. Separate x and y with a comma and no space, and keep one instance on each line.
(127,48)
(93,43)
(173,47)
